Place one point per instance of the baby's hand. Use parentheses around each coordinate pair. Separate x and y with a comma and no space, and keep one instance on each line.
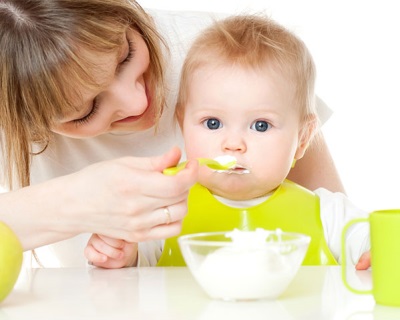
(364,262)
(105,252)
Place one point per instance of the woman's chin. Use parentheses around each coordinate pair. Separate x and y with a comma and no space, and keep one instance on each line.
(141,124)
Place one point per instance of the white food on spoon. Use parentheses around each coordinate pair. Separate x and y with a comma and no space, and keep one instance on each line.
(225,159)
(236,169)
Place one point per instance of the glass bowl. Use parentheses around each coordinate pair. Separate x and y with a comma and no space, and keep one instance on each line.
(244,265)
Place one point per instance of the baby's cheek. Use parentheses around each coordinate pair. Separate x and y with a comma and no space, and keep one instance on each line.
(194,148)
(205,177)
(198,144)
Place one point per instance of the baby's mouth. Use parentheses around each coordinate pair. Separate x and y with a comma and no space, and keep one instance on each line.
(236,169)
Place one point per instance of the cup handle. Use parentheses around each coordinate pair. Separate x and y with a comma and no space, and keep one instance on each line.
(344,256)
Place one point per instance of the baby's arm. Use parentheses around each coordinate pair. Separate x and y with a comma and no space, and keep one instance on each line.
(336,211)
(105,252)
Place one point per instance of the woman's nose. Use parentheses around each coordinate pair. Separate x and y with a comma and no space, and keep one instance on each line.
(130,98)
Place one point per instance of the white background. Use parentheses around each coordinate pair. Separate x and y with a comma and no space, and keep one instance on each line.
(355,45)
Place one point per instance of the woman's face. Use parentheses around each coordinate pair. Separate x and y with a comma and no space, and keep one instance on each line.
(122,101)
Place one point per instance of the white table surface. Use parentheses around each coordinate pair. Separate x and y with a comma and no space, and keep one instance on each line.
(172,293)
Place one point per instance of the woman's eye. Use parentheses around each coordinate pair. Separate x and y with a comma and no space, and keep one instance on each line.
(131,52)
(89,116)
(260,126)
(212,124)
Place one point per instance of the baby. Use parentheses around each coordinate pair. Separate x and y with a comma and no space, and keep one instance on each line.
(247,90)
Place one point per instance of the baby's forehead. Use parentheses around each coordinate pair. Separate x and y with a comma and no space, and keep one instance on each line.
(243,75)
(267,67)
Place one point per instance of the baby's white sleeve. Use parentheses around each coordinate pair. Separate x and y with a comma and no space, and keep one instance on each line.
(149,252)
(336,210)
(323,110)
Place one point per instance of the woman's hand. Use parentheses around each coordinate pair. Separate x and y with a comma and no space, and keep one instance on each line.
(130,198)
(127,198)
(111,253)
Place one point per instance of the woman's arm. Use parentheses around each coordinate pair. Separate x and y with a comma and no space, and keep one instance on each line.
(317,169)
(29,213)
(123,198)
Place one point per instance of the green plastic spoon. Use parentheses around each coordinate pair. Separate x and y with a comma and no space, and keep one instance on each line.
(219,163)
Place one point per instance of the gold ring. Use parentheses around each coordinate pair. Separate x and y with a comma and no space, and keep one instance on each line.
(168,214)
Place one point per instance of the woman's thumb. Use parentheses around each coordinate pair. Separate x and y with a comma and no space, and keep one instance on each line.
(168,159)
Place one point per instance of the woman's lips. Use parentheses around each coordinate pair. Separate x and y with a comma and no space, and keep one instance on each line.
(129,119)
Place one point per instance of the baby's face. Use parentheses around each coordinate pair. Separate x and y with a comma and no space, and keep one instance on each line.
(247,114)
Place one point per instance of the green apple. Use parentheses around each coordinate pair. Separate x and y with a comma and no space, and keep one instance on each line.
(11,254)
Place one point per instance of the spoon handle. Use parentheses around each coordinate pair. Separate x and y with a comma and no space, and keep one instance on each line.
(211,163)
(174,170)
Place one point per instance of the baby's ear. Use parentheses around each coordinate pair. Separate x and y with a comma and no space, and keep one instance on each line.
(306,134)
(179,115)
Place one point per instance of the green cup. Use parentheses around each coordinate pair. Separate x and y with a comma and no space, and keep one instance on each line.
(385,256)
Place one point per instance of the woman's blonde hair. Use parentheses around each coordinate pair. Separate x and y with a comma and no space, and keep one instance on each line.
(40,43)
(253,41)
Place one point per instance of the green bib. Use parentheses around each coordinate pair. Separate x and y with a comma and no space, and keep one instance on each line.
(291,208)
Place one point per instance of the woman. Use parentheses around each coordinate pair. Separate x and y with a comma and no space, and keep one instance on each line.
(83,123)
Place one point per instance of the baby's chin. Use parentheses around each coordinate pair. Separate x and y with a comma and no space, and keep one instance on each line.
(238,194)
(237,187)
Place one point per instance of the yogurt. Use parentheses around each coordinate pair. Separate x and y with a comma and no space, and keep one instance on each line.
(225,159)
(234,168)
(248,269)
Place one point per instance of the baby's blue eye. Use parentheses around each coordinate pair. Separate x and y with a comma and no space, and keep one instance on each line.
(213,124)
(260,126)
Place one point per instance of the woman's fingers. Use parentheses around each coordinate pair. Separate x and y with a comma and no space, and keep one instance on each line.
(120,199)
(168,159)
(177,186)
(112,242)
(164,231)
(170,214)
(155,184)
(144,227)
(156,164)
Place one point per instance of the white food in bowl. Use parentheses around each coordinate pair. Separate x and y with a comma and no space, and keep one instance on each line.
(248,267)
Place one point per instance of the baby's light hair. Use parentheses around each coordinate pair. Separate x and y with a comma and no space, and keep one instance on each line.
(254,42)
